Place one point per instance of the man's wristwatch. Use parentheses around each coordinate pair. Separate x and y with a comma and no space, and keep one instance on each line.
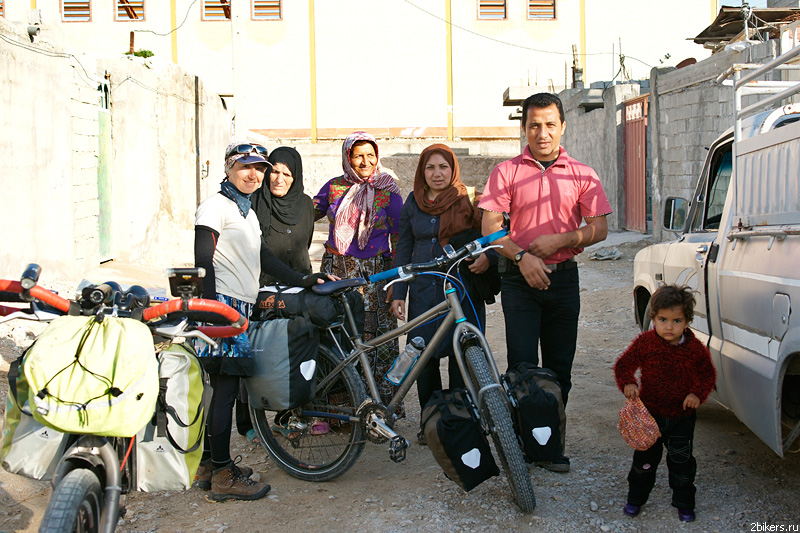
(518,257)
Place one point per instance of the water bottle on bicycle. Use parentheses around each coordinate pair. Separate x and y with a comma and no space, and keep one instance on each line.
(405,360)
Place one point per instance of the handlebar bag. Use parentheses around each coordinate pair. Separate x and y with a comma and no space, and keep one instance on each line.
(456,439)
(93,375)
(170,446)
(29,447)
(279,301)
(285,354)
(540,418)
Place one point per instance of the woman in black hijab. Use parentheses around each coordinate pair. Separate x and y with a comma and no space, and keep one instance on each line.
(285,212)
(286,216)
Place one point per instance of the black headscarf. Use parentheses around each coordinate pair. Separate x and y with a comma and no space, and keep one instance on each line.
(287,209)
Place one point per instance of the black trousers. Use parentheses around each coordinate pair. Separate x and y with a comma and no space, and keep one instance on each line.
(677,436)
(220,419)
(547,318)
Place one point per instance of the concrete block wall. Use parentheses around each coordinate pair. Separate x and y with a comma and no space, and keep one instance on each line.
(85,207)
(689,109)
(596,138)
(323,161)
(49,105)
(46,129)
(474,169)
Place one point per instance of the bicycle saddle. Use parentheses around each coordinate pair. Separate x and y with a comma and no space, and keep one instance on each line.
(331,287)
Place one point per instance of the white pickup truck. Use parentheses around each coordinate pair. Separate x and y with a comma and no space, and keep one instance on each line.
(739,249)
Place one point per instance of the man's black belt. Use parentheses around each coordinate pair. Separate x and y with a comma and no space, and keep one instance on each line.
(569,264)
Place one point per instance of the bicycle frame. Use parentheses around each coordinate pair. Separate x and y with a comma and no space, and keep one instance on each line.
(453,314)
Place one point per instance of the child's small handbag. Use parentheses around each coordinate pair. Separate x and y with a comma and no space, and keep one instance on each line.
(637,426)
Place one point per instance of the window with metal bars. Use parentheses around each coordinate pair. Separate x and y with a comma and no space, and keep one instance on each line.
(266,9)
(541,9)
(76,10)
(130,10)
(216,10)
(491,9)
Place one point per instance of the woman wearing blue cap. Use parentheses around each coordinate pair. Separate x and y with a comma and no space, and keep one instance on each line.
(229,246)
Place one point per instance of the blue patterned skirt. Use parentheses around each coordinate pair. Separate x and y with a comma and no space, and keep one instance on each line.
(232,354)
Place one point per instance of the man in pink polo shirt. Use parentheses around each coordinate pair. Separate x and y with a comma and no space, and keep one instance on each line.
(547,194)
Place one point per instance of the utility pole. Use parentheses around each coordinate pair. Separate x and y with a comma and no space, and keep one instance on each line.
(577,70)
(238,61)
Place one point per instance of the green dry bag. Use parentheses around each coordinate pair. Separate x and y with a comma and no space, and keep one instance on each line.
(93,376)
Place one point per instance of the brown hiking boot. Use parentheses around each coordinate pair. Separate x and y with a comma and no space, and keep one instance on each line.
(229,482)
(203,475)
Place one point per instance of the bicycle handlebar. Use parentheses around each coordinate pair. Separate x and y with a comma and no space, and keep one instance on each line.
(238,322)
(11,291)
(441,261)
(40,293)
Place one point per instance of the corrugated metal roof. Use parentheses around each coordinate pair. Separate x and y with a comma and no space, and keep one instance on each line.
(729,24)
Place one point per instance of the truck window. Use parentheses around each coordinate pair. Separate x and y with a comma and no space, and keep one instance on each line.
(718,190)
(711,201)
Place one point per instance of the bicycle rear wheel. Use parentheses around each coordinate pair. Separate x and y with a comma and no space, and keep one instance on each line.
(498,417)
(317,442)
(75,504)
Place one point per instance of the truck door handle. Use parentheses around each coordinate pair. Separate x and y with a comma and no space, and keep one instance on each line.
(701,251)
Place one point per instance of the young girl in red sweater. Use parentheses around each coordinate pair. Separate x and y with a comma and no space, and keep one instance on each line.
(676,376)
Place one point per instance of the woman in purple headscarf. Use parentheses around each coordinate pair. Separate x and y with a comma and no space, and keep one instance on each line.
(363,208)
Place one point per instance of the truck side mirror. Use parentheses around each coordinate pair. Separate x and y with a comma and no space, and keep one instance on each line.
(674,213)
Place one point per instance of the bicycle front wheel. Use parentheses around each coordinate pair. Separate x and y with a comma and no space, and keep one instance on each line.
(498,419)
(75,504)
(318,441)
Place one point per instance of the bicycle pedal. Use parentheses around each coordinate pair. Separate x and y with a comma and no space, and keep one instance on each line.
(397,449)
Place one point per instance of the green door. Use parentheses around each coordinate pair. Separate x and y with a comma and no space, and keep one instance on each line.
(104,192)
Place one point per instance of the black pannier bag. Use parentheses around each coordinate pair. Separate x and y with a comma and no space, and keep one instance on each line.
(540,417)
(456,440)
(285,354)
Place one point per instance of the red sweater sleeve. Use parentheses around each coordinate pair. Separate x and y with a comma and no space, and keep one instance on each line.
(629,362)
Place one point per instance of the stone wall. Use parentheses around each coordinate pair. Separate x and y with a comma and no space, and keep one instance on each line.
(476,159)
(689,109)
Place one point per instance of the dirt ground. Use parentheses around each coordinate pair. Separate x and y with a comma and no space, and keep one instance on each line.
(742,485)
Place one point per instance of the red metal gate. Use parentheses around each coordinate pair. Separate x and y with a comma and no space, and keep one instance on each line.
(635,163)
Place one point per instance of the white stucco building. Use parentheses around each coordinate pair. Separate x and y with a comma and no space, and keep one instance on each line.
(411,68)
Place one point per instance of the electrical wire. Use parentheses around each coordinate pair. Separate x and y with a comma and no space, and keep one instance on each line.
(152,89)
(92,83)
(173,29)
(434,15)
(757,27)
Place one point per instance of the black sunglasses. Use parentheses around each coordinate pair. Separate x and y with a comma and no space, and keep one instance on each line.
(246,149)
